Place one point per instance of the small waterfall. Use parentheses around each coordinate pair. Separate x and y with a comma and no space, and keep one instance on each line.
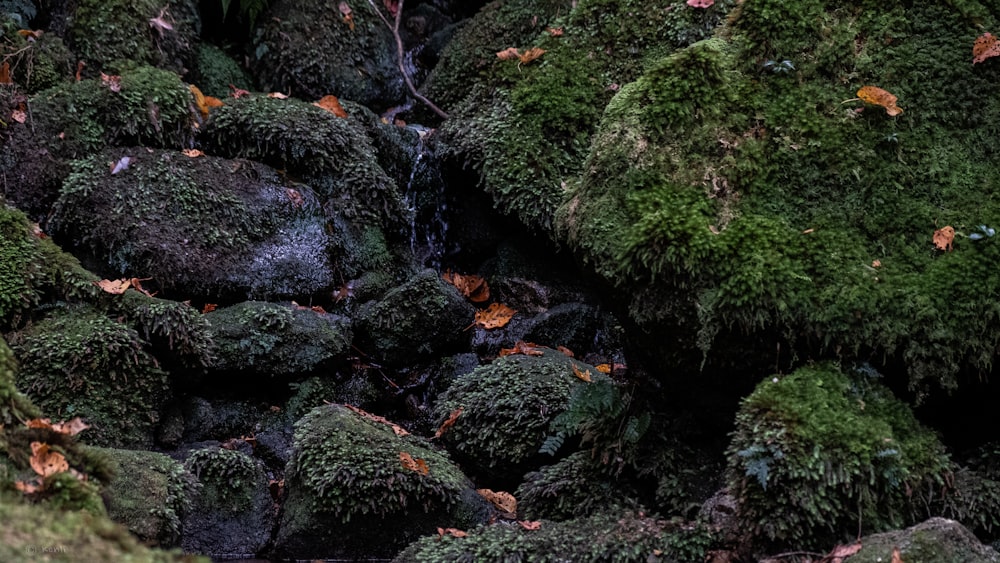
(425,195)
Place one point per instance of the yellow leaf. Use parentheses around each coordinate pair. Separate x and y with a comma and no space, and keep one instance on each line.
(46,462)
(583,375)
(944,237)
(413,464)
(879,97)
(331,104)
(496,315)
(5,73)
(114,287)
(504,501)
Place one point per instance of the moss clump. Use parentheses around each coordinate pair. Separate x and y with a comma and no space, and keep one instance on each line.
(150,495)
(175,330)
(609,536)
(936,540)
(199,225)
(19,265)
(229,479)
(334,155)
(306,48)
(357,390)
(215,71)
(103,33)
(347,487)
(38,533)
(817,450)
(77,362)
(14,406)
(276,340)
(507,410)
(40,63)
(575,486)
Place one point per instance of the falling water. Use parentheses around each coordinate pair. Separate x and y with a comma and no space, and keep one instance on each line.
(425,196)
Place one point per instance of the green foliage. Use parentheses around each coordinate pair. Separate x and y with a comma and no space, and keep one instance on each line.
(348,467)
(818,453)
(334,155)
(176,328)
(229,478)
(103,33)
(606,537)
(14,406)
(19,265)
(508,407)
(66,492)
(575,486)
(216,70)
(78,362)
(40,63)
(249,9)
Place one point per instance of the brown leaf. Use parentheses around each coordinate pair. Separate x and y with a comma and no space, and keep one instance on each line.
(199,100)
(508,54)
(530,55)
(46,462)
(392,6)
(583,375)
(879,97)
(278,95)
(448,423)
(398,430)
(472,286)
(213,102)
(5,73)
(496,315)
(876,263)
(70,427)
(944,237)
(451,532)
(346,11)
(160,23)
(897,557)
(27,487)
(331,104)
(532,525)
(554,31)
(295,197)
(114,287)
(137,285)
(30,35)
(114,83)
(504,501)
(522,347)
(845,550)
(79,69)
(192,153)
(208,308)
(19,115)
(418,465)
(985,47)
(237,92)
(566,351)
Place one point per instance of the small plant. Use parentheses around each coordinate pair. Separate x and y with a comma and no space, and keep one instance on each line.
(981,232)
(779,67)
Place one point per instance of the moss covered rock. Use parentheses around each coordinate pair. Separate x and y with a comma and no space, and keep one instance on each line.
(198,226)
(508,408)
(422,317)
(276,340)
(215,70)
(937,540)
(179,334)
(233,513)
(573,487)
(619,537)
(310,48)
(150,495)
(145,31)
(349,494)
(19,265)
(78,362)
(819,449)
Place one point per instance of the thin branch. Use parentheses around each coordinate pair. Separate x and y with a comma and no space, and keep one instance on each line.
(401,56)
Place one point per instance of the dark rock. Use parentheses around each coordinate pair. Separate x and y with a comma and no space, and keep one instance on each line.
(937,540)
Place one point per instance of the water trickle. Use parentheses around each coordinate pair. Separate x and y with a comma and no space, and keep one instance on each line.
(425,196)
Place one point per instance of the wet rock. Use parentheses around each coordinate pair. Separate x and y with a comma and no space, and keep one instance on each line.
(937,540)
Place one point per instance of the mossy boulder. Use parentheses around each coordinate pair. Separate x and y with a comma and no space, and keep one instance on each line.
(179,335)
(145,31)
(206,226)
(507,410)
(621,537)
(573,487)
(19,265)
(233,513)
(215,71)
(307,48)
(38,533)
(819,452)
(79,362)
(273,340)
(333,155)
(349,494)
(937,540)
(423,317)
(150,495)
(357,390)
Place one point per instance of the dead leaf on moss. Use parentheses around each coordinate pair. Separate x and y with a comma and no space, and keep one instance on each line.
(522,347)
(508,54)
(842,551)
(449,422)
(31,35)
(278,96)
(879,97)
(531,54)
(471,286)
(346,12)
(454,532)
(28,487)
(497,315)
(70,427)
(897,557)
(46,462)
(398,430)
(532,525)
(5,73)
(554,31)
(603,368)
(944,237)
(504,501)
(114,287)
(208,308)
(414,464)
(985,47)
(192,153)
(238,92)
(19,115)
(113,83)
(582,375)
(566,351)
(331,104)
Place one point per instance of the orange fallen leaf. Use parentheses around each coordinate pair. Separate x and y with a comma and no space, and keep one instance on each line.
(504,501)
(531,54)
(508,54)
(879,97)
(583,375)
(398,430)
(192,153)
(114,83)
(455,532)
(318,310)
(897,557)
(496,315)
(346,11)
(278,95)
(554,31)
(70,427)
(876,263)
(213,102)
(448,423)
(472,286)
(944,237)
(137,285)
(985,47)
(238,92)
(532,525)
(19,115)
(5,73)
(30,35)
(79,69)
(603,368)
(28,487)
(522,347)
(417,464)
(114,287)
(208,308)
(331,104)
(46,462)
(566,351)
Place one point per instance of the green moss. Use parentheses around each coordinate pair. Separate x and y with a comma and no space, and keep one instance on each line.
(19,265)
(507,410)
(215,71)
(276,340)
(149,495)
(174,329)
(78,362)
(43,534)
(357,390)
(38,63)
(818,451)
(229,479)
(103,33)
(609,536)
(14,406)
(575,486)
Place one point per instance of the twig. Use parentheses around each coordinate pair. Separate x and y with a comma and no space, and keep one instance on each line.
(401,56)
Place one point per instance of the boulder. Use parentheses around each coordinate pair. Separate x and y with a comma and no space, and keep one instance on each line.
(937,540)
